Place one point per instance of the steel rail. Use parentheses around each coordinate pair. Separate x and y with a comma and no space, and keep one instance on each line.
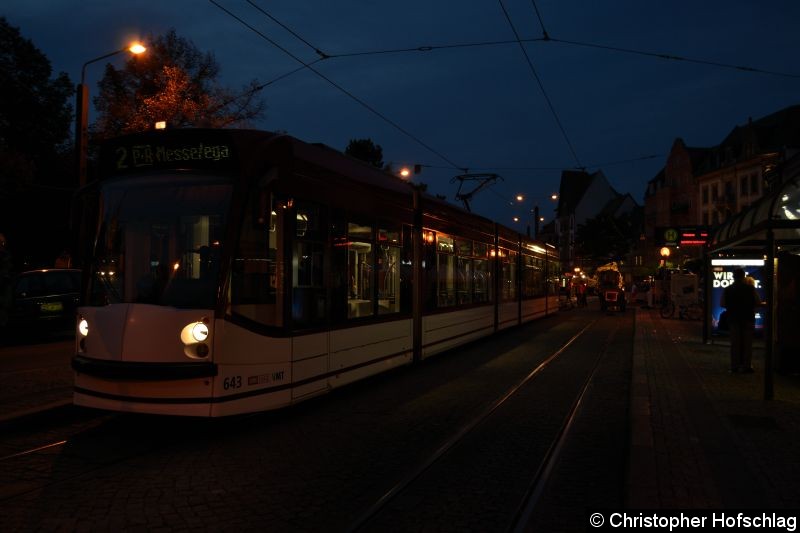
(457,437)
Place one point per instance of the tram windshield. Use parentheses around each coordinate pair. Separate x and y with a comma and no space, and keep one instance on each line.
(159,241)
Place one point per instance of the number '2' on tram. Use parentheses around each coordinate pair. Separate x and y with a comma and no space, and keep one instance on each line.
(234,271)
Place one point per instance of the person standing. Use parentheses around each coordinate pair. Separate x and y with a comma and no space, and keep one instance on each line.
(740,300)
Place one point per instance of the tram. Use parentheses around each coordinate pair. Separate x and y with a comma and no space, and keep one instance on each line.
(235,271)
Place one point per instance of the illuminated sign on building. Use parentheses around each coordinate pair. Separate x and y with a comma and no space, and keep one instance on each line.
(682,236)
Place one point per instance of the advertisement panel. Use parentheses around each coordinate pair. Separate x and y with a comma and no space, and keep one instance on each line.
(722,276)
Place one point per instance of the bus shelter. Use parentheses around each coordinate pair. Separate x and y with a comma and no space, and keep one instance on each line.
(764,239)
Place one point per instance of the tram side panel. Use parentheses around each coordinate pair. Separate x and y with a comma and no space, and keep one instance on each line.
(533,309)
(443,331)
(254,370)
(359,352)
(507,314)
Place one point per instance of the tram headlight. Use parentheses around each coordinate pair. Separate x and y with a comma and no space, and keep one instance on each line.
(199,332)
(194,338)
(194,333)
(83,327)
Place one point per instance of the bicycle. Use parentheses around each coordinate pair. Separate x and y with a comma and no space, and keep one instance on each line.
(690,311)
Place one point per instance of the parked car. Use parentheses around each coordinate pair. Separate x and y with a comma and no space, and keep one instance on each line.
(45,301)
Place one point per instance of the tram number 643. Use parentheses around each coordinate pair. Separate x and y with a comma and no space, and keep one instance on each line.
(234,382)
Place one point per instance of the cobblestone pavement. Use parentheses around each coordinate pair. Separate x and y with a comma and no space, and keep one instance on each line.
(35,377)
(702,437)
(699,436)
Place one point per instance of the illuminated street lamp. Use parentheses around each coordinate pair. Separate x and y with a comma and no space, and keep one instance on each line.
(665,251)
(82,111)
(537,219)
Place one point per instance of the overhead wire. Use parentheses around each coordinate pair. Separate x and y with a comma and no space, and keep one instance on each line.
(541,22)
(541,85)
(340,88)
(427,48)
(319,52)
(674,57)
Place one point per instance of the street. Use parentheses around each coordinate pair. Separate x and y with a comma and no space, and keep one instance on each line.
(34,375)
(323,464)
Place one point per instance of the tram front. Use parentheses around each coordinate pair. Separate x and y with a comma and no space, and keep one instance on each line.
(145,334)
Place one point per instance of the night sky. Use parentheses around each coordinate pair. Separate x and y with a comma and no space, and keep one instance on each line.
(475,107)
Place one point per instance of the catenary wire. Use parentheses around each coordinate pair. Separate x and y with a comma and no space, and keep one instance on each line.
(541,85)
(321,54)
(546,37)
(674,57)
(477,44)
(340,88)
(541,22)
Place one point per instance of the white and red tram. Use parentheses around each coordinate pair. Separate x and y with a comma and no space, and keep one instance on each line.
(236,271)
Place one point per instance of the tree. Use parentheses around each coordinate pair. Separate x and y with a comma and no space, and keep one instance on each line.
(366,150)
(35,113)
(35,154)
(173,82)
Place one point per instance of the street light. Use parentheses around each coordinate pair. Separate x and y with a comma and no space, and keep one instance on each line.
(537,219)
(82,111)
(664,252)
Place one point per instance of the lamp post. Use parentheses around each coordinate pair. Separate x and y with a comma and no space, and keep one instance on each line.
(537,219)
(82,111)
(665,253)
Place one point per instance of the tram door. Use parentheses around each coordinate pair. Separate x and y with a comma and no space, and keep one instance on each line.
(308,232)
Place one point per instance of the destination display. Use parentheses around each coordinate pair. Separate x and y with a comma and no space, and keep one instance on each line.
(193,149)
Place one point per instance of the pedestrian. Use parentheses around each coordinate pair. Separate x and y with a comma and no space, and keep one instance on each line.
(582,295)
(6,278)
(64,260)
(740,300)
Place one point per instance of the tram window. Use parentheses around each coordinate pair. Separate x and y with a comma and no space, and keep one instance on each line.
(508,281)
(482,281)
(553,270)
(463,247)
(406,270)
(308,264)
(533,283)
(444,244)
(464,281)
(446,289)
(388,265)
(257,277)
(360,251)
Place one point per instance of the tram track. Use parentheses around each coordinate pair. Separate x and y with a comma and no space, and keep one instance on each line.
(347,461)
(369,519)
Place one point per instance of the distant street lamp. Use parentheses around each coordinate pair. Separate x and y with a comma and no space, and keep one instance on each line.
(82,111)
(537,219)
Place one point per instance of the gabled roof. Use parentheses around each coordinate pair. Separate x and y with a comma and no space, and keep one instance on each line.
(767,134)
(573,186)
(772,132)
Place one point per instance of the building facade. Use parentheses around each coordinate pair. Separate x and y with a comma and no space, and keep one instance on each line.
(702,187)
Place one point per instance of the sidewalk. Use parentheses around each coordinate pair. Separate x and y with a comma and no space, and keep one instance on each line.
(34,378)
(702,437)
